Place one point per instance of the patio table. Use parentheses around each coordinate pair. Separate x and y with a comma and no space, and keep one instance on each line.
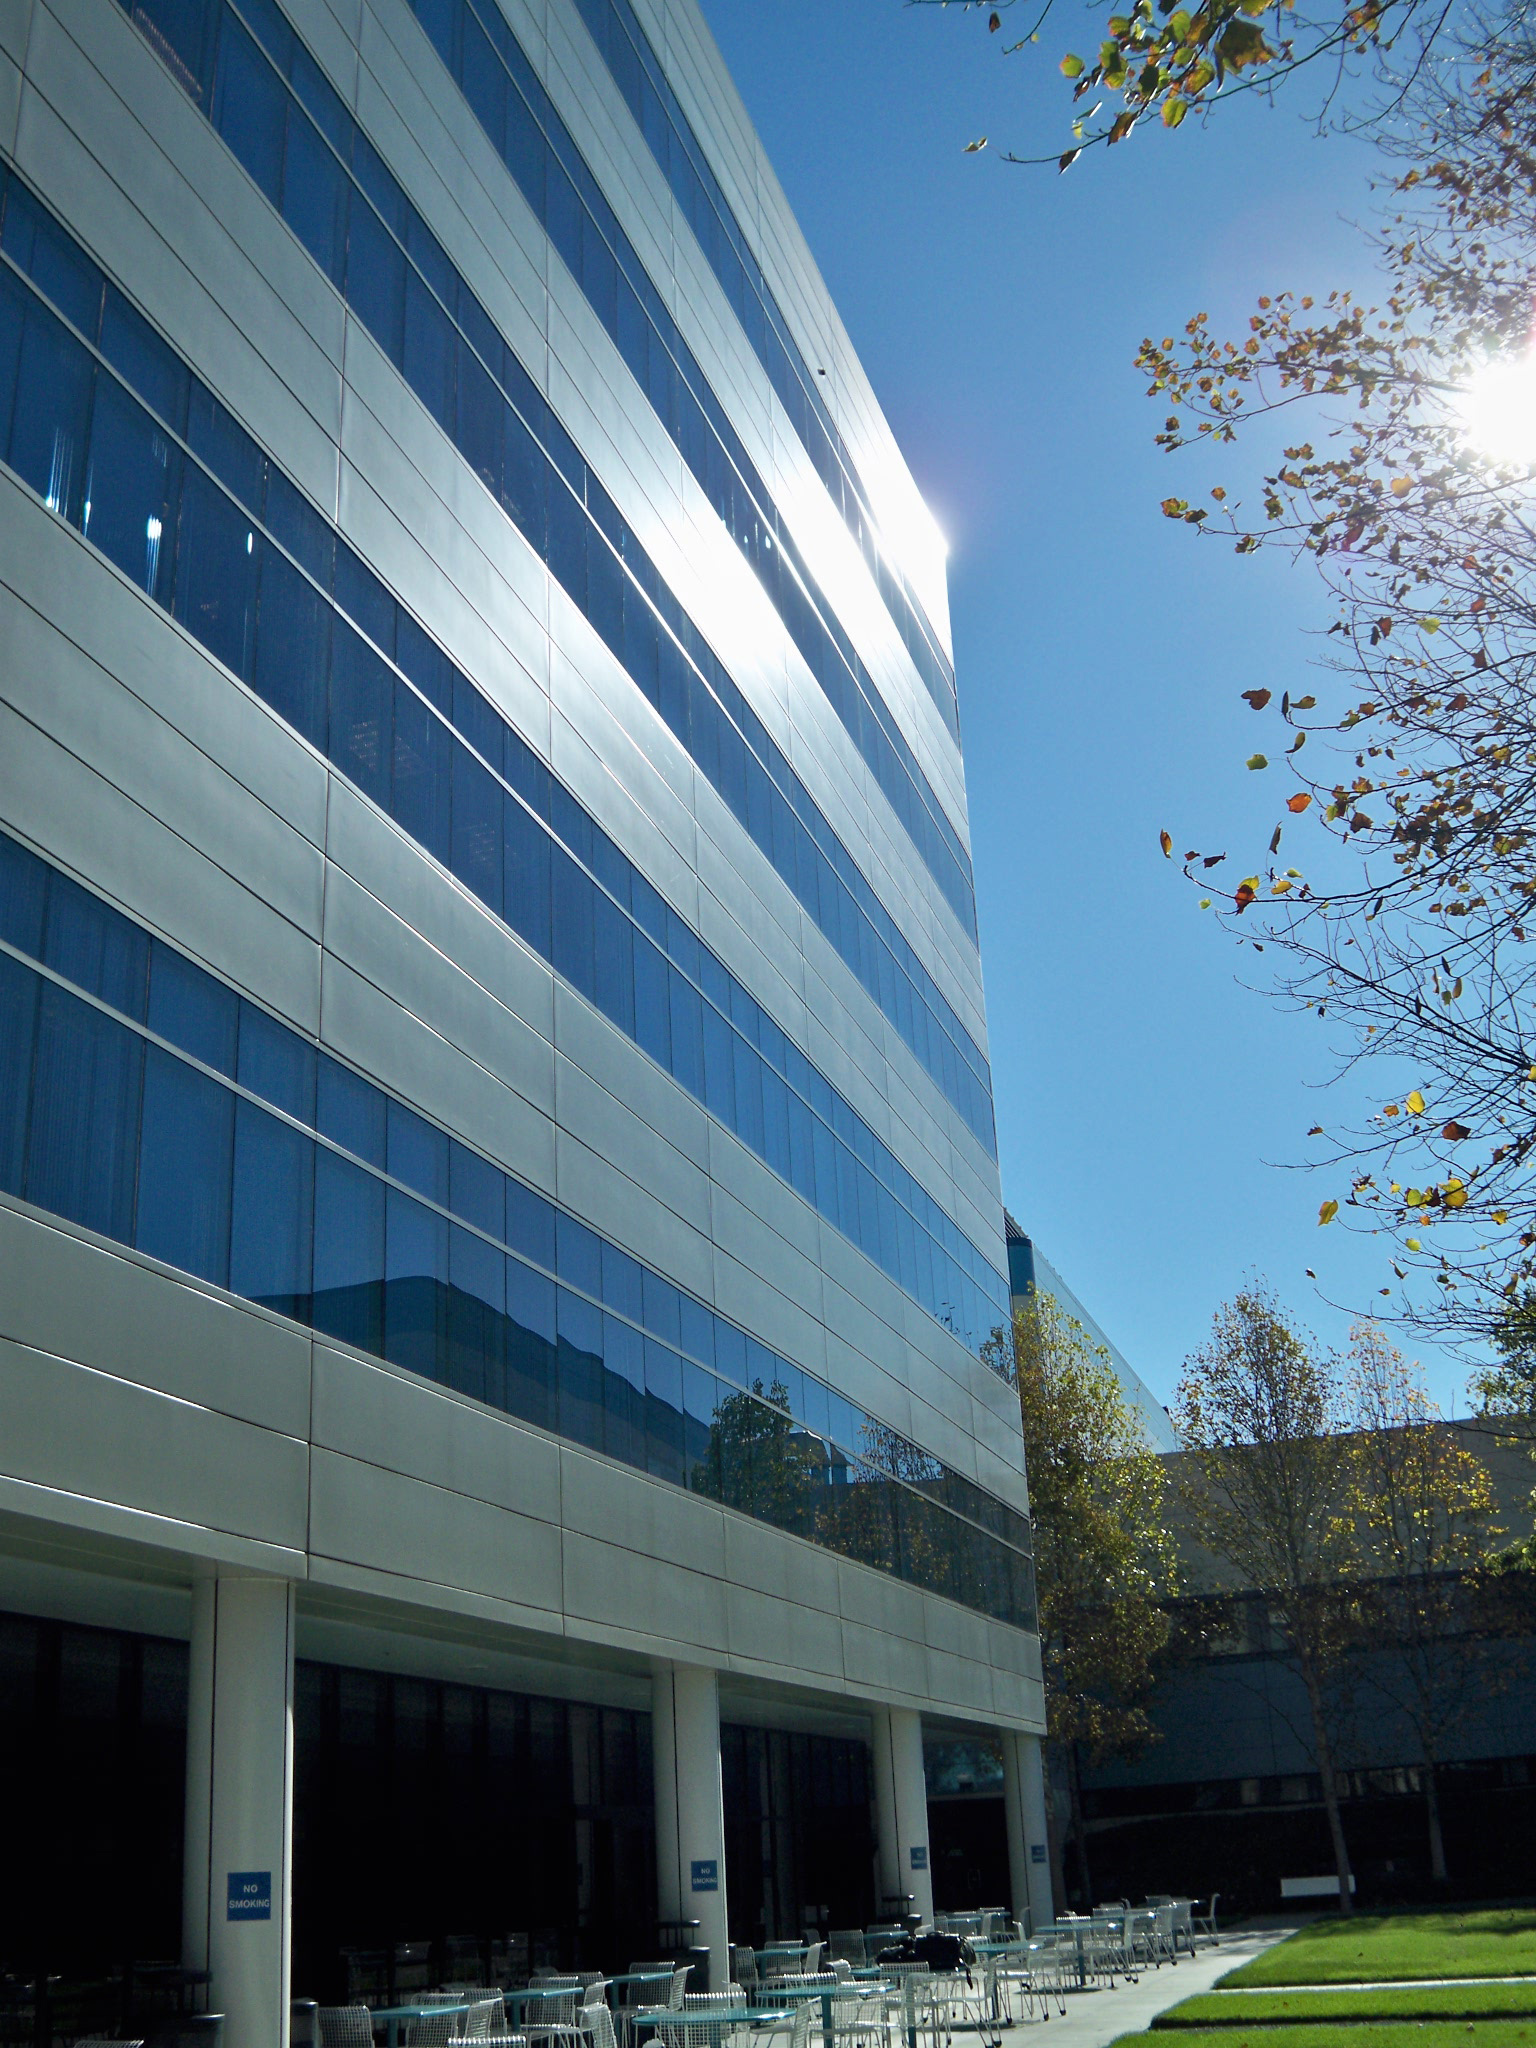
(393,2015)
(717,2022)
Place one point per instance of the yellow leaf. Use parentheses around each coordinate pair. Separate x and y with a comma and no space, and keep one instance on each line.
(1401,486)
(1415,1102)
(1165,841)
(1327,1212)
(1501,1217)
(1455,1198)
(1413,1244)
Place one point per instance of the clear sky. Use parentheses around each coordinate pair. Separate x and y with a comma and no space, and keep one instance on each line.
(1150,1104)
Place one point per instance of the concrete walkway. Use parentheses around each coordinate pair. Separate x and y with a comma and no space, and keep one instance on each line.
(1094,2017)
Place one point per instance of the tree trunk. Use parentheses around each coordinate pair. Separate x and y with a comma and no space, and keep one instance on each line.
(1324,1750)
(1079,1826)
(1437,1868)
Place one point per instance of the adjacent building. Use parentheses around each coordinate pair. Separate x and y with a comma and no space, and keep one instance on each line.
(499,1212)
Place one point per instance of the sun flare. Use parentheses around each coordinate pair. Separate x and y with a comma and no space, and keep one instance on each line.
(1498,411)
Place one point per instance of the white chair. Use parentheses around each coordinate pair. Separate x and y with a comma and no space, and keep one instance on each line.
(345,2026)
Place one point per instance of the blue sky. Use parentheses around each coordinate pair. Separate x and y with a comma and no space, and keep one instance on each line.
(1150,1105)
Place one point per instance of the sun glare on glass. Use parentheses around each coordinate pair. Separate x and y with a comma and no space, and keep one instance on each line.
(1498,411)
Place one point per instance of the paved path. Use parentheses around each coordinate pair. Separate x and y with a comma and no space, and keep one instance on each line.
(1094,2018)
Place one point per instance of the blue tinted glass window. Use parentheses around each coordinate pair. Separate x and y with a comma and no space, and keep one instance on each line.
(351,1111)
(215,588)
(150,365)
(664,1413)
(530,1357)
(530,1224)
(417,1152)
(349,1252)
(19,988)
(415,1289)
(272,1211)
(662,1314)
(579,1257)
(132,490)
(621,1281)
(293,648)
(83,1135)
(476,1318)
(248,107)
(276,1063)
(528,857)
(476,1189)
(52,411)
(95,947)
(193,1010)
(185,1161)
(580,1370)
(315,198)
(23,897)
(362,713)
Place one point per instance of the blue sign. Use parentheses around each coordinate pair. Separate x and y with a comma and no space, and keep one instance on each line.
(250,1895)
(1037,1852)
(920,1856)
(705,1877)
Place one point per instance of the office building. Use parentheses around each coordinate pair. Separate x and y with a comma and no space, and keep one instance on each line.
(499,1214)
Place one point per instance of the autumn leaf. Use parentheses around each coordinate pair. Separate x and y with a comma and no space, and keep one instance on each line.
(1455,1132)
(972,147)
(1327,1212)
(1298,803)
(1246,892)
(1415,1102)
(1258,760)
(1256,699)
(1165,841)
(994,23)
(1072,67)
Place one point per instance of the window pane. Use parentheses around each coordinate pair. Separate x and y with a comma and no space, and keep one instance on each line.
(362,715)
(18,1022)
(185,1162)
(276,1063)
(417,1152)
(477,1324)
(429,350)
(530,1224)
(92,945)
(272,1212)
(530,1345)
(248,107)
(191,1009)
(580,1368)
(349,1252)
(132,488)
(216,573)
(416,1287)
(83,1138)
(315,197)
(477,853)
(48,429)
(293,647)
(528,855)
(376,279)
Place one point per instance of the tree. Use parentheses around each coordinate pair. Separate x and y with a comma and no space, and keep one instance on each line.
(1103,1557)
(1161,63)
(1260,1412)
(1425,1507)
(1412,931)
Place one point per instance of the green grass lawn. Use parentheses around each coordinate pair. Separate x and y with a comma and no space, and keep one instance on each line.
(1390,2034)
(1434,2001)
(1497,1941)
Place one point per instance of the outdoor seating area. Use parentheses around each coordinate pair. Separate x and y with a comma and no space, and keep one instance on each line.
(898,1984)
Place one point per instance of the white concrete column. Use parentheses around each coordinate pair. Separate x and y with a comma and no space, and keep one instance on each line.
(690,1807)
(236,1883)
(901,1808)
(1029,1862)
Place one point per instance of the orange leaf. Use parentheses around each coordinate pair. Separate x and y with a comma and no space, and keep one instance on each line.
(1244,897)
(1298,803)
